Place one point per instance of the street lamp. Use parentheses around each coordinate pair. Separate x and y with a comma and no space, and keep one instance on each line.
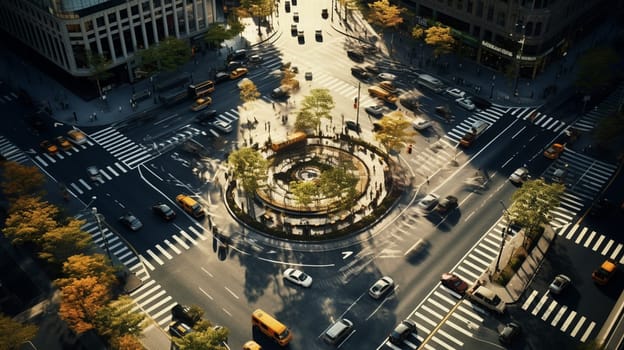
(518,57)
(503,234)
(492,89)
(99,217)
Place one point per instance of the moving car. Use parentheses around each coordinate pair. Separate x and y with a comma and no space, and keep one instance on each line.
(201,103)
(355,56)
(386,76)
(410,102)
(352,125)
(554,151)
(359,72)
(221,77)
(298,277)
(77,137)
(466,103)
(519,176)
(308,75)
(300,37)
(222,126)
(251,345)
(428,203)
(324,13)
(296,16)
(318,35)
(205,116)
(455,92)
(381,287)
(559,284)
(164,211)
(235,64)
(48,147)
(293,29)
(338,331)
(454,283)
(509,333)
(603,274)
(131,221)
(63,143)
(255,59)
(446,204)
(388,86)
(402,331)
(183,313)
(377,111)
(238,72)
(94,174)
(179,329)
(421,123)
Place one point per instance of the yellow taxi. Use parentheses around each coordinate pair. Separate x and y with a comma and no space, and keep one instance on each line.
(63,143)
(238,72)
(77,136)
(252,345)
(201,103)
(554,151)
(48,147)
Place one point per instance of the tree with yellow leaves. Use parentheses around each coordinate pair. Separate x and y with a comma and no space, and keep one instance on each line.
(61,242)
(21,180)
(14,334)
(441,39)
(80,301)
(248,90)
(395,131)
(29,219)
(81,265)
(385,15)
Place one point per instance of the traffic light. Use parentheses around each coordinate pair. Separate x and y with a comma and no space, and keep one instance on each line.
(409,149)
(355,103)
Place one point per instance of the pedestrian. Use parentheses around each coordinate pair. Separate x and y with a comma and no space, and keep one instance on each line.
(75,117)
(90,117)
(119,108)
(94,116)
(273,104)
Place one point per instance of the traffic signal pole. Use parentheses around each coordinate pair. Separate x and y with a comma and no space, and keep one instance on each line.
(357,105)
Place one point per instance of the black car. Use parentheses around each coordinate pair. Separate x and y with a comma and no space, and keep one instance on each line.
(293,29)
(300,37)
(446,204)
(355,56)
(184,314)
(377,111)
(206,116)
(480,102)
(351,125)
(324,13)
(131,221)
(164,211)
(238,55)
(359,72)
(221,77)
(410,102)
(372,69)
(402,332)
(296,16)
(294,2)
(509,333)
(287,6)
(235,64)
(318,35)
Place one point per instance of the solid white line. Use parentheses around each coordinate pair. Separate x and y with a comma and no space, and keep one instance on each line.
(233,294)
(529,300)
(450,337)
(187,236)
(121,167)
(559,315)
(567,322)
(141,288)
(180,241)
(431,311)
(572,231)
(578,326)
(158,304)
(581,235)
(155,257)
(206,293)
(85,184)
(147,293)
(110,168)
(173,247)
(616,251)
(197,233)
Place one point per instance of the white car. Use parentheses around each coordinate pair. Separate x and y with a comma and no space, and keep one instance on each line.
(381,287)
(428,203)
(559,284)
(519,176)
(421,123)
(222,126)
(455,92)
(255,59)
(386,76)
(466,103)
(298,277)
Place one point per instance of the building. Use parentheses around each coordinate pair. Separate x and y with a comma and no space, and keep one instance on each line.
(65,31)
(498,33)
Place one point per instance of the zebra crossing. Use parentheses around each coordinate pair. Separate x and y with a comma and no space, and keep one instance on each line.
(610,104)
(593,240)
(489,116)
(10,152)
(8,97)
(121,147)
(537,118)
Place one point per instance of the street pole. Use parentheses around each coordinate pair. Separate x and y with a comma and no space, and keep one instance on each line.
(518,57)
(492,89)
(503,234)
(98,217)
(357,105)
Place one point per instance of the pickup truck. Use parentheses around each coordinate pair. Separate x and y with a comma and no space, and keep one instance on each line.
(475,131)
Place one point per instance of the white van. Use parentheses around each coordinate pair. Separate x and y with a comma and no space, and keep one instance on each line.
(487,298)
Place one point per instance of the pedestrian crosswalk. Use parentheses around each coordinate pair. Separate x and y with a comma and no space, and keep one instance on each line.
(121,147)
(537,118)
(590,119)
(10,152)
(593,240)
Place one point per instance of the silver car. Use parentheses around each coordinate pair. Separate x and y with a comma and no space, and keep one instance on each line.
(519,176)
(381,287)
(559,284)
(94,174)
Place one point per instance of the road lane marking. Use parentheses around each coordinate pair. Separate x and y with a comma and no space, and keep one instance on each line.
(164,252)
(153,307)
(172,246)
(549,310)
(607,247)
(206,293)
(589,239)
(558,316)
(187,236)
(588,331)
(616,251)
(598,242)
(233,294)
(581,235)
(181,242)
(155,257)
(529,300)
(197,233)
(578,326)
(567,322)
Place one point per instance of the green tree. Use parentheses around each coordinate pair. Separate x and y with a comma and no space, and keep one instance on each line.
(117,319)
(385,15)
(21,180)
(304,191)
(249,168)
(339,182)
(99,66)
(216,34)
(248,91)
(315,106)
(14,334)
(396,131)
(532,203)
(61,242)
(203,338)
(29,219)
(598,67)
(81,265)
(167,56)
(441,39)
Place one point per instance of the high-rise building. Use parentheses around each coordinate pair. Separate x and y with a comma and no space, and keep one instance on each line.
(65,32)
(504,33)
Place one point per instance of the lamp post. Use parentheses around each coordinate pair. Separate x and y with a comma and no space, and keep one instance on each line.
(98,217)
(492,89)
(503,234)
(518,57)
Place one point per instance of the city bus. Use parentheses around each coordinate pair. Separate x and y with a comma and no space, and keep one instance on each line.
(430,82)
(202,89)
(298,138)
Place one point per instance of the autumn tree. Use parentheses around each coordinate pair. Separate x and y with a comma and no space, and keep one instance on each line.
(61,242)
(317,105)
(250,169)
(289,78)
(127,342)
(29,219)
(441,39)
(256,9)
(395,131)
(598,67)
(248,90)
(385,15)
(117,320)
(81,265)
(21,180)
(165,56)
(80,302)
(14,334)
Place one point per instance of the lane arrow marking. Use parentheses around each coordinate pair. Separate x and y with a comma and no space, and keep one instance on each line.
(346,254)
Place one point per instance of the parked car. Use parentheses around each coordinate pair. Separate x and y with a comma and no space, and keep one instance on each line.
(428,203)
(183,313)
(383,286)
(386,76)
(455,92)
(559,284)
(402,331)
(454,283)
(222,126)
(164,211)
(466,103)
(179,329)
(421,123)
(131,221)
(446,204)
(511,331)
(238,72)
(298,277)
(48,147)
(519,176)
(377,111)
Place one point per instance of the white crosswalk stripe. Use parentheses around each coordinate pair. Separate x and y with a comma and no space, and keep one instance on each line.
(121,147)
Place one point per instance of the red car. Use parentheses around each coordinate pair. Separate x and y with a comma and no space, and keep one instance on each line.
(454,283)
